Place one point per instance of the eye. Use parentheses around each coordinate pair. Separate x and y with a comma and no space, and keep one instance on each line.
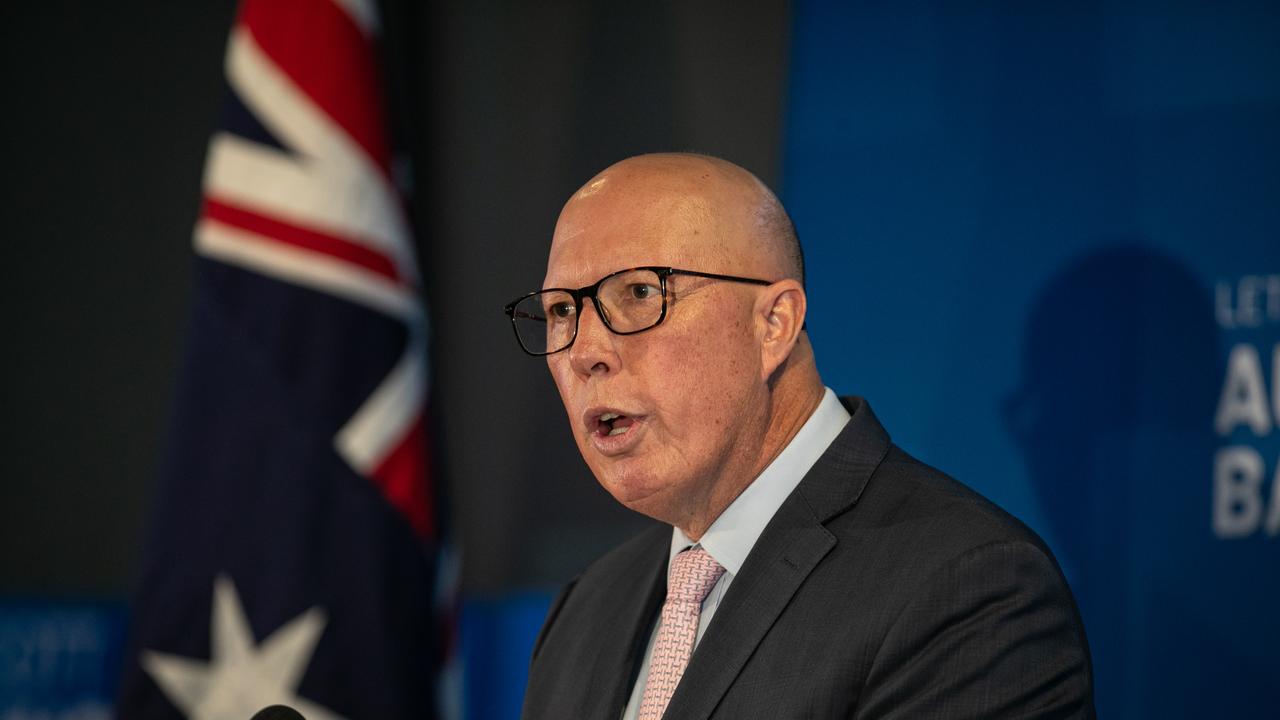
(642,291)
(561,310)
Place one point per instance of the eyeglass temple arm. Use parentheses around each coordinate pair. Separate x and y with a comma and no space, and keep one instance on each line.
(717,276)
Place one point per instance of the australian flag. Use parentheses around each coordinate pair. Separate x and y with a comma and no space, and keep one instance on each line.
(292,556)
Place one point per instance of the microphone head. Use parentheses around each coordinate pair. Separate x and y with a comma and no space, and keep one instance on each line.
(277,712)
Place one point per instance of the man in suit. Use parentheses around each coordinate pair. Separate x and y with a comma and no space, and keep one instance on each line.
(806,566)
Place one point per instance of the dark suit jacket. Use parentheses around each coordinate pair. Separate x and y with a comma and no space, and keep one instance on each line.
(880,589)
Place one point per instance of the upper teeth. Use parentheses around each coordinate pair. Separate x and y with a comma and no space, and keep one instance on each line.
(610,416)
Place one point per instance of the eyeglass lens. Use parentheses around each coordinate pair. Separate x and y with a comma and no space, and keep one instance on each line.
(628,302)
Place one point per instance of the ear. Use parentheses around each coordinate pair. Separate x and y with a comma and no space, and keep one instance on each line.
(780,310)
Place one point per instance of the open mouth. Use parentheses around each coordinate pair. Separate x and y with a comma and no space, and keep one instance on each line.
(612,423)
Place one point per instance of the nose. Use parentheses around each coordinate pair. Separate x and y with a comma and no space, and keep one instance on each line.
(593,352)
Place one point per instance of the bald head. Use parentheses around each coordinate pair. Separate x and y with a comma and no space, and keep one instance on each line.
(732,215)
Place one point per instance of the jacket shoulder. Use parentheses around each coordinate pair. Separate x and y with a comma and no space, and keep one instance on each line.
(924,502)
(595,631)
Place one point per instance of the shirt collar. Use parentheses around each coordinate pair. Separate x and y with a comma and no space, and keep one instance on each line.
(730,538)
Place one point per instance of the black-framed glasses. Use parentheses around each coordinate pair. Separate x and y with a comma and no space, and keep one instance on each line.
(628,302)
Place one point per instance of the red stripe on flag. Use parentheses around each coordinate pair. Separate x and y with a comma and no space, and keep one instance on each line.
(318,45)
(404,480)
(302,237)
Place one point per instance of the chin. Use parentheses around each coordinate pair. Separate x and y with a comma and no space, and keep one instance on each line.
(641,492)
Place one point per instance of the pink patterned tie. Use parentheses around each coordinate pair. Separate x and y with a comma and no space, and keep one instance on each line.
(693,574)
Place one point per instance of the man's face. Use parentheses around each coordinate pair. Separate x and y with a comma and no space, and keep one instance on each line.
(689,394)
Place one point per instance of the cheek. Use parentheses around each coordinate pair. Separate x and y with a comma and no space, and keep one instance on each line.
(563,378)
(699,385)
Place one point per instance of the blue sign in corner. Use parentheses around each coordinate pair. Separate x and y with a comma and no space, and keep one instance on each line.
(59,660)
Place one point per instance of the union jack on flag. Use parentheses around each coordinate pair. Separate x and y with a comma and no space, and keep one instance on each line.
(292,552)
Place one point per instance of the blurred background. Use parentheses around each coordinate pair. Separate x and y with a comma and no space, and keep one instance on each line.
(1042,239)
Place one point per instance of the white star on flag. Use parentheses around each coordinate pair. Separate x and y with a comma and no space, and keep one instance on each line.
(241,679)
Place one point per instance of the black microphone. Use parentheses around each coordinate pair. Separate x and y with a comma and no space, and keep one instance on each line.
(277,712)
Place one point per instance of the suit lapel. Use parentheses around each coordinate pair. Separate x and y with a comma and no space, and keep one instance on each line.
(788,550)
(755,599)
(616,666)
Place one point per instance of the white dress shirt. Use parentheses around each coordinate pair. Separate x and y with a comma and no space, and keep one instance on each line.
(730,538)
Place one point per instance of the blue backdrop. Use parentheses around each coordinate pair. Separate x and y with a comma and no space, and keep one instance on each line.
(1038,237)
(1044,241)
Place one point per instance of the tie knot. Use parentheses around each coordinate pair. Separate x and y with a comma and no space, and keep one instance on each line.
(693,574)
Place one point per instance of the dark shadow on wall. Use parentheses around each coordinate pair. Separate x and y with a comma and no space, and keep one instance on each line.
(1120,371)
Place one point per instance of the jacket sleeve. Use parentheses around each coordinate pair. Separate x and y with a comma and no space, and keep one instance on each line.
(993,633)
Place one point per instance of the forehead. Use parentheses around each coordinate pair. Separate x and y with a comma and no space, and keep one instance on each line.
(602,232)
